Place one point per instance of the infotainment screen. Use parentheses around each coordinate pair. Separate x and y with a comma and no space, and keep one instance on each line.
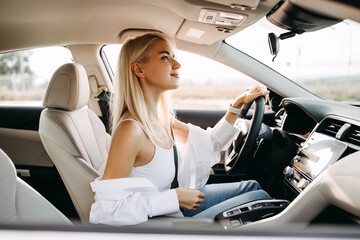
(319,152)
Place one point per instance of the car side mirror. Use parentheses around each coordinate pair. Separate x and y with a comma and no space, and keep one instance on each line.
(273,44)
(274,40)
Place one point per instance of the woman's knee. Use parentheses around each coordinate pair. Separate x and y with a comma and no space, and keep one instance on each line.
(252,185)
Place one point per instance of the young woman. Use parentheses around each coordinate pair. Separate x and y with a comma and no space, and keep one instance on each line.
(136,183)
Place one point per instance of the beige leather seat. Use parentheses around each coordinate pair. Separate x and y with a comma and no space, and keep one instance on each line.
(20,203)
(74,137)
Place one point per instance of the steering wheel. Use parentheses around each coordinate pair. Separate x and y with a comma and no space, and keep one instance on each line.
(244,143)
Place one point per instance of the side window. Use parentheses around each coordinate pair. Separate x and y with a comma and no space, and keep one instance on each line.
(204,83)
(24,75)
(207,84)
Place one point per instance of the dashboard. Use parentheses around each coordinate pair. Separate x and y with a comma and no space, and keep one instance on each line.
(324,131)
(320,179)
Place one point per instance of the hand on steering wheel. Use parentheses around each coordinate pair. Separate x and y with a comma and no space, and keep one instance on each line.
(250,95)
(245,142)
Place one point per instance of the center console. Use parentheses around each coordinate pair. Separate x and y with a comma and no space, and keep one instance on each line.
(318,153)
(250,212)
(315,155)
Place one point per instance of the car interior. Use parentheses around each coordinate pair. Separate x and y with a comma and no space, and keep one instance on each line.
(301,148)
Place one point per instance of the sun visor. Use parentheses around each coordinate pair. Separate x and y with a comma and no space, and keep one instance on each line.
(201,33)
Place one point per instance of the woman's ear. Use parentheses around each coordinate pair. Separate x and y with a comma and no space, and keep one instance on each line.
(137,70)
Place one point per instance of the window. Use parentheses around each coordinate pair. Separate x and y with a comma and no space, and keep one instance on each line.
(204,83)
(325,62)
(24,75)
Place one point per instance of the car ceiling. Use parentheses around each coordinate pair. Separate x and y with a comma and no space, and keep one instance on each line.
(26,24)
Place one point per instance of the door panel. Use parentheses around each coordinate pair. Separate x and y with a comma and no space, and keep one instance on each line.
(24,147)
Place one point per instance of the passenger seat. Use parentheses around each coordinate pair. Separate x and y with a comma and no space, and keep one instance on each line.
(20,203)
(73,135)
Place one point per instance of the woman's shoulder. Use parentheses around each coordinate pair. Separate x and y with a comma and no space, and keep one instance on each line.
(129,129)
(128,141)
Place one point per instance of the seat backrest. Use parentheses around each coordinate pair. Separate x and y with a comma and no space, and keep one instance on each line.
(73,136)
(20,203)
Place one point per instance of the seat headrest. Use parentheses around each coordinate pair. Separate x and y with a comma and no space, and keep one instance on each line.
(68,88)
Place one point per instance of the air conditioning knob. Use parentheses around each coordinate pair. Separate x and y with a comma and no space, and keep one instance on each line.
(303,183)
(289,172)
(297,158)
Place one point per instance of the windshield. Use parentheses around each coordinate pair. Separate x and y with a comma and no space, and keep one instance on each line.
(325,62)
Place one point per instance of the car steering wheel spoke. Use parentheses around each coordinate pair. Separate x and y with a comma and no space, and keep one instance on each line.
(244,144)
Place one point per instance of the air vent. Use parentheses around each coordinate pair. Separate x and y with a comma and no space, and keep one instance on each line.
(330,127)
(279,116)
(353,135)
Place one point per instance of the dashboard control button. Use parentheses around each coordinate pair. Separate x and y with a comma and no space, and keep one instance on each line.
(258,205)
(303,183)
(235,223)
(297,158)
(289,172)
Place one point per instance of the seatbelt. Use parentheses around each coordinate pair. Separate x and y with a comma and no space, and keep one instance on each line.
(175,183)
(100,101)
(94,102)
(104,95)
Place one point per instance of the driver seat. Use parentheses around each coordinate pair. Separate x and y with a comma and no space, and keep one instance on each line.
(73,135)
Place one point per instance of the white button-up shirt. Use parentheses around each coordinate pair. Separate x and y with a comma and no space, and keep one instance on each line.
(128,201)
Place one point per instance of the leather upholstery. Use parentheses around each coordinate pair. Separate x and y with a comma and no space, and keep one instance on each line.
(20,203)
(74,137)
(64,91)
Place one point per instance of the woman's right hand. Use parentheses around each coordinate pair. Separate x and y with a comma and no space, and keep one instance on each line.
(189,198)
(250,95)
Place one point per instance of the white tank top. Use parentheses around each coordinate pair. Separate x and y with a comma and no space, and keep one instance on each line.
(160,170)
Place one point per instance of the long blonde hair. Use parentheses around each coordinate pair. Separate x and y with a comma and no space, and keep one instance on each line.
(129,94)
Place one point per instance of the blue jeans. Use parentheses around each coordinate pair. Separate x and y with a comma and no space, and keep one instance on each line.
(223,196)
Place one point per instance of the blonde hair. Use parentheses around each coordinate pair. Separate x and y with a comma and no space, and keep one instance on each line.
(129,94)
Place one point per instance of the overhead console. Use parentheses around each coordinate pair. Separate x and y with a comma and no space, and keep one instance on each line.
(218,19)
(221,18)
(238,4)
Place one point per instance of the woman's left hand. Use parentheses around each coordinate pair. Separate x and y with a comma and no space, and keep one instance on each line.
(250,95)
